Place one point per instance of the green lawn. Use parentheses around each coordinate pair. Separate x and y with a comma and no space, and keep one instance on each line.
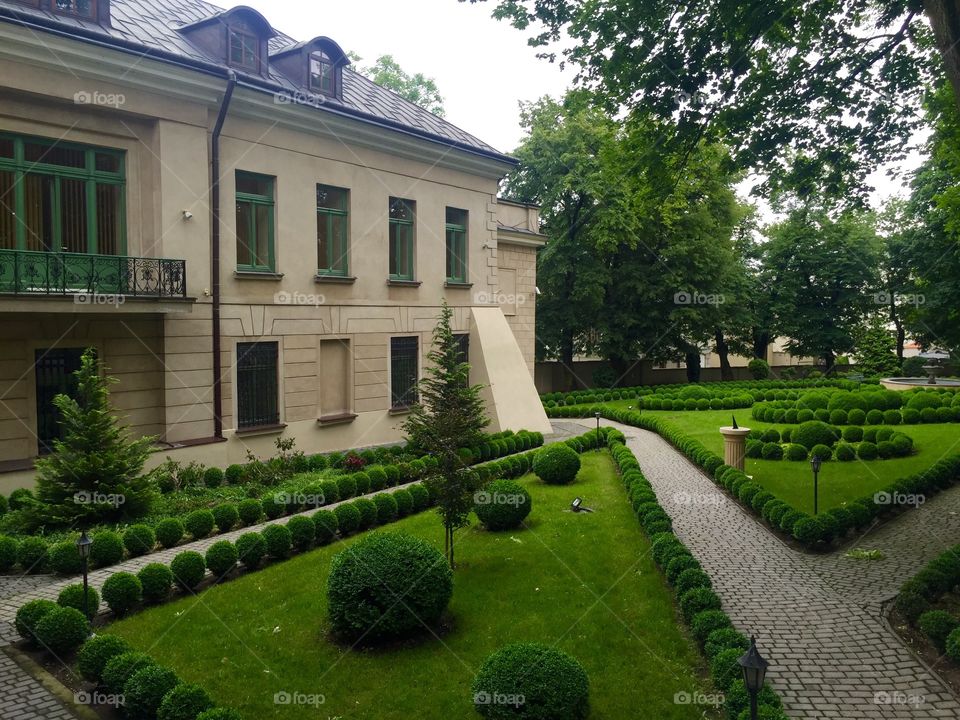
(583,582)
(839,482)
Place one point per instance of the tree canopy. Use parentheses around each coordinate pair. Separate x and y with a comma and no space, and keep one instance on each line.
(418,88)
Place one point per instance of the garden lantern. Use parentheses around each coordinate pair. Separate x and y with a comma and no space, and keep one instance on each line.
(597,416)
(83,547)
(815,466)
(754,669)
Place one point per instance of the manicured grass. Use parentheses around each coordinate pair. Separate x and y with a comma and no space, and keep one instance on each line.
(839,482)
(582,582)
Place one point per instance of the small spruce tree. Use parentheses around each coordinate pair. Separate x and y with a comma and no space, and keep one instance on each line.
(449,416)
(95,472)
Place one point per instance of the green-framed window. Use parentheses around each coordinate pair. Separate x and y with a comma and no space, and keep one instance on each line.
(255,222)
(456,233)
(57,196)
(244,49)
(403,217)
(333,209)
(323,77)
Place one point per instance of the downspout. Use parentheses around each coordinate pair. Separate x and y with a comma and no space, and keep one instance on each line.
(215,252)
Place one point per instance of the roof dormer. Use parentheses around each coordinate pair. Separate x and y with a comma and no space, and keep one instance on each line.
(237,37)
(316,65)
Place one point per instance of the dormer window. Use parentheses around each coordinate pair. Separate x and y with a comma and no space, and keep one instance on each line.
(81,8)
(244,49)
(323,75)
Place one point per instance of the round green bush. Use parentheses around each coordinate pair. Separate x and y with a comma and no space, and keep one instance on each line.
(404,500)
(547,684)
(106,549)
(772,451)
(199,523)
(234,474)
(754,448)
(824,452)
(708,621)
(156,580)
(892,417)
(875,417)
(839,417)
(502,505)
(937,626)
(188,568)
(225,516)
(348,518)
(929,415)
(72,596)
(952,645)
(870,435)
(144,690)
(814,432)
(804,415)
(387,509)
(808,530)
(362,481)
(886,449)
(221,558)
(97,652)
(330,490)
(368,512)
(249,511)
(325,525)
(251,547)
(139,540)
(724,639)
(63,558)
(279,540)
(853,434)
(121,667)
(770,436)
(796,452)
(910,416)
(184,702)
(724,668)
(690,579)
(346,487)
(366,579)
(854,417)
(678,565)
(29,616)
(697,600)
(62,630)
(867,451)
(556,464)
(302,532)
(213,477)
(8,552)
(20,499)
(845,452)
(121,592)
(169,532)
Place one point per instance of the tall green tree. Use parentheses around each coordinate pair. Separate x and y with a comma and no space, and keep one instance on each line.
(449,416)
(417,88)
(95,473)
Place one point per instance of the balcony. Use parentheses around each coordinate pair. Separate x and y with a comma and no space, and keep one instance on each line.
(30,274)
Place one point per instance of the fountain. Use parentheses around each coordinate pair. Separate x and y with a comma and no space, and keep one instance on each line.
(933,368)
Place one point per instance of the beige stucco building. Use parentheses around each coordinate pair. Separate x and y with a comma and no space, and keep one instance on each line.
(346,216)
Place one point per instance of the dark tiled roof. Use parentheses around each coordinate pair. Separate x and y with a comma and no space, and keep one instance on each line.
(154,24)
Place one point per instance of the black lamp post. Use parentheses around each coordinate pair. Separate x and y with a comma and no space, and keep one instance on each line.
(83,547)
(754,669)
(815,466)
(597,416)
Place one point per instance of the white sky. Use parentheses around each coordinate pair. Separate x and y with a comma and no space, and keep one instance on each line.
(483,67)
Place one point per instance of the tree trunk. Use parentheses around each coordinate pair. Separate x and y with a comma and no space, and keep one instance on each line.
(693,366)
(723,350)
(761,341)
(828,359)
(944,17)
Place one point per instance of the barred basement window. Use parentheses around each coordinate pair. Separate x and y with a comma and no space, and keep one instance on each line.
(257,387)
(403,371)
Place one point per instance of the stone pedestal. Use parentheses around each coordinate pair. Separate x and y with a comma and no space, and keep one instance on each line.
(734,446)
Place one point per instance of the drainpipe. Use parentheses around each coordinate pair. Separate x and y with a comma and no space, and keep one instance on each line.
(215,252)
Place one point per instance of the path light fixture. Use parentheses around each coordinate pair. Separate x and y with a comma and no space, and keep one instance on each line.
(597,416)
(83,547)
(578,506)
(754,669)
(815,466)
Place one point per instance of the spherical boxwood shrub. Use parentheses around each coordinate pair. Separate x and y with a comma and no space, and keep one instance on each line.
(348,518)
(855,417)
(556,464)
(106,549)
(96,653)
(886,449)
(225,516)
(279,540)
(937,626)
(867,451)
(221,558)
(853,434)
(796,452)
(325,526)
(724,668)
(772,451)
(120,667)
(690,579)
(139,540)
(875,417)
(169,532)
(678,564)
(404,500)
(724,639)
(770,436)
(892,417)
(121,592)
(29,615)
(845,452)
(953,645)
(502,505)
(62,630)
(346,487)
(808,530)
(144,690)
(824,452)
(63,558)
(387,510)
(368,512)
(189,569)
(199,523)
(156,579)
(814,432)
(72,596)
(251,547)
(249,511)
(546,683)
(302,532)
(708,621)
(366,579)
(839,417)
(697,600)
(8,552)
(184,702)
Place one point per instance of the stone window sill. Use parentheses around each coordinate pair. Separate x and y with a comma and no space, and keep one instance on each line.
(335,279)
(340,419)
(457,285)
(254,275)
(261,430)
(404,283)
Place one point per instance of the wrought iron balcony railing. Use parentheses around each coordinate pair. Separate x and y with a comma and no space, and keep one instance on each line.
(25,272)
